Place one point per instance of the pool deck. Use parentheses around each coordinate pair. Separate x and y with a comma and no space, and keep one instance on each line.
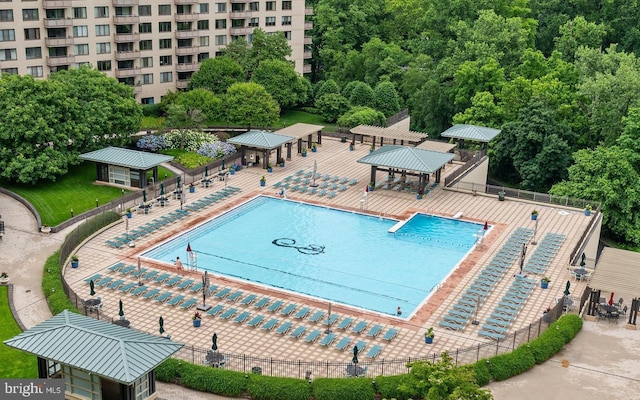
(334,158)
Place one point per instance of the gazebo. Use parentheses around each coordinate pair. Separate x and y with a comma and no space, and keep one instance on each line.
(408,161)
(303,132)
(473,133)
(394,134)
(124,166)
(96,359)
(252,144)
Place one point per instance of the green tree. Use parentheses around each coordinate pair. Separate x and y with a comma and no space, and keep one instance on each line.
(473,77)
(385,98)
(282,82)
(217,74)
(327,87)
(579,32)
(239,51)
(201,99)
(268,47)
(483,111)
(249,104)
(332,105)
(361,116)
(362,95)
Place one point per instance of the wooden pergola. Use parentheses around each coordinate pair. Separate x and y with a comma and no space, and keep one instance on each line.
(394,134)
(302,132)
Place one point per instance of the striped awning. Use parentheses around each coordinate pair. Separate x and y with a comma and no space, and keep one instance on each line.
(617,271)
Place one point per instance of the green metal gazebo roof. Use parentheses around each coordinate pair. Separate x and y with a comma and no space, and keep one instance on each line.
(407,158)
(126,158)
(105,349)
(471,132)
(260,140)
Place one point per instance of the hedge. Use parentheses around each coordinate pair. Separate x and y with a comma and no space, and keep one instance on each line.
(262,387)
(213,380)
(504,366)
(52,288)
(343,389)
(389,387)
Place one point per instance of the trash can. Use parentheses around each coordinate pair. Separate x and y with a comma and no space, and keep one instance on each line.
(256,370)
(501,196)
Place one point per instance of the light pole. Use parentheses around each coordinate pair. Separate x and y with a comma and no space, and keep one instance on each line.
(122,201)
(535,230)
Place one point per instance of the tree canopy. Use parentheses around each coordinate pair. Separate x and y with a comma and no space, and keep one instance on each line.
(217,74)
(249,104)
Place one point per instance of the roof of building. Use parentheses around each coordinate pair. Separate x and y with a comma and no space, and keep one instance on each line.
(617,271)
(300,130)
(260,139)
(105,349)
(126,157)
(407,158)
(471,132)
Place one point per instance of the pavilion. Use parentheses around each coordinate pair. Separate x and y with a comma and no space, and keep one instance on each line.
(254,144)
(472,133)
(394,134)
(303,132)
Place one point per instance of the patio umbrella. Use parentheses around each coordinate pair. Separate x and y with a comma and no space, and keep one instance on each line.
(582,261)
(178,183)
(611,299)
(205,288)
(121,312)
(92,286)
(214,342)
(161,322)
(566,290)
(144,196)
(223,167)
(521,262)
(206,171)
(161,189)
(355,355)
(486,226)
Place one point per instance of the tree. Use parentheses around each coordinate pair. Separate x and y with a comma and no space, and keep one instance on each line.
(263,47)
(576,33)
(217,74)
(249,104)
(327,87)
(385,98)
(361,95)
(238,50)
(332,105)
(282,82)
(361,116)
(473,77)
(203,100)
(483,111)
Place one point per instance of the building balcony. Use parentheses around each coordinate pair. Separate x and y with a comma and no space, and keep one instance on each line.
(307,54)
(307,40)
(186,51)
(239,1)
(186,1)
(308,25)
(53,4)
(127,55)
(186,17)
(58,42)
(308,11)
(62,60)
(137,89)
(127,73)
(241,31)
(125,3)
(58,23)
(182,84)
(190,67)
(306,69)
(125,19)
(240,14)
(187,34)
(126,37)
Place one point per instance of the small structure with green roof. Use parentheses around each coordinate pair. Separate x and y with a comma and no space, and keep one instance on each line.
(254,144)
(96,359)
(472,133)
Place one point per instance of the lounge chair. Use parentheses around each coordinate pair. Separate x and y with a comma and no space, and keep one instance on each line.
(116,267)
(260,304)
(317,316)
(390,334)
(114,244)
(197,287)
(461,313)
(313,190)
(215,310)
(322,192)
(235,295)
(374,331)
(93,278)
(345,323)
(189,303)
(490,334)
(327,340)
(299,331)
(126,288)
(498,322)
(173,281)
(275,306)
(116,284)
(331,320)
(360,327)
(353,181)
(103,282)
(229,313)
(451,325)
(494,328)
(331,195)
(313,336)
(162,277)
(139,290)
(222,294)
(284,328)
(164,297)
(361,345)
(151,293)
(242,317)
(288,309)
(255,321)
(335,179)
(374,351)
(127,269)
(248,300)
(176,300)
(186,284)
(270,324)
(343,343)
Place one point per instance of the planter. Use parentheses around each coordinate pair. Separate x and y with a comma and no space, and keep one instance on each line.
(428,339)
(129,214)
(282,164)
(75,264)
(192,189)
(232,171)
(304,154)
(45,229)
(343,139)
(313,150)
(419,197)
(501,196)
(4,281)
(370,151)
(350,147)
(196,323)
(534,217)
(544,285)
(269,169)
(587,212)
(262,183)
(546,318)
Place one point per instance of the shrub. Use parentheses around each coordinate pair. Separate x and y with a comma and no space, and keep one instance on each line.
(217,149)
(569,325)
(341,389)
(389,387)
(546,345)
(213,380)
(189,160)
(152,143)
(481,371)
(504,366)
(152,123)
(262,387)
(332,106)
(151,110)
(362,116)
(168,370)
(57,300)
(187,139)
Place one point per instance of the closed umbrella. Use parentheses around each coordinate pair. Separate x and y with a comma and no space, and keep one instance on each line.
(205,289)
(92,286)
(566,289)
(161,189)
(206,171)
(161,322)
(486,226)
(611,299)
(144,196)
(223,167)
(178,183)
(121,312)
(582,261)
(214,342)
(355,355)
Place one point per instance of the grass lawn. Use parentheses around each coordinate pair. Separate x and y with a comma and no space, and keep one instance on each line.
(290,117)
(76,190)
(189,159)
(16,364)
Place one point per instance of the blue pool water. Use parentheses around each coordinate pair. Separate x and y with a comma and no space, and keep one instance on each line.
(330,254)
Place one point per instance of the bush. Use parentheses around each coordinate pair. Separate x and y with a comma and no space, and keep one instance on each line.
(217,149)
(189,160)
(52,288)
(151,110)
(262,387)
(504,366)
(343,389)
(213,380)
(481,371)
(569,325)
(187,139)
(362,116)
(546,345)
(152,123)
(389,387)
(332,106)
(152,143)
(168,370)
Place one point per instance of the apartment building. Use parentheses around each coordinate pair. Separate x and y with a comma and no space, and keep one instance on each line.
(153,46)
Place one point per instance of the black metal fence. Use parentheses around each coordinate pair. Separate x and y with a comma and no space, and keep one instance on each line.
(87,228)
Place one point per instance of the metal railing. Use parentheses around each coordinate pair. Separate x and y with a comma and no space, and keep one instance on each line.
(394,119)
(475,159)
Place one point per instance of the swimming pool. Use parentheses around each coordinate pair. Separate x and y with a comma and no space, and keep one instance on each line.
(330,254)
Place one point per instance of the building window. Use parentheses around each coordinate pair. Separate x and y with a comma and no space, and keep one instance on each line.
(270,21)
(166,77)
(103,48)
(287,35)
(221,7)
(221,24)
(124,11)
(221,40)
(237,7)
(237,23)
(166,60)
(286,5)
(32,34)
(35,71)
(164,26)
(249,38)
(10,71)
(102,30)
(104,65)
(203,25)
(80,12)
(146,45)
(80,31)
(255,21)
(33,52)
(202,57)
(146,62)
(80,49)
(147,79)
(6,15)
(57,13)
(203,8)
(271,5)
(144,27)
(204,40)
(286,20)
(164,9)
(254,6)
(8,54)
(144,11)
(183,26)
(30,14)
(165,43)
(101,12)
(146,100)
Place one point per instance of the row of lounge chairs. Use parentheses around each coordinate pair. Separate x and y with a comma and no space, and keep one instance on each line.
(328,185)
(547,249)
(212,198)
(469,302)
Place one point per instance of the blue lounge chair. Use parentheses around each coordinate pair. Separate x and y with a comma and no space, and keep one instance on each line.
(116,267)
(235,295)
(303,312)
(162,277)
(186,284)
(353,181)
(345,323)
(331,195)
(151,293)
(288,309)
(299,331)
(260,304)
(489,334)
(275,306)
(93,278)
(451,325)
(498,322)
(116,284)
(126,288)
(114,244)
(270,324)
(163,297)
(361,345)
(456,319)
(324,185)
(284,328)
(322,192)
(331,320)
(215,310)
(248,300)
(375,351)
(360,327)
(242,317)
(189,303)
(390,334)
(374,331)
(317,316)
(313,336)
(176,300)
(103,282)
(343,343)
(255,321)
(327,340)
(223,293)
(139,290)
(127,269)
(173,281)
(196,288)
(229,313)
